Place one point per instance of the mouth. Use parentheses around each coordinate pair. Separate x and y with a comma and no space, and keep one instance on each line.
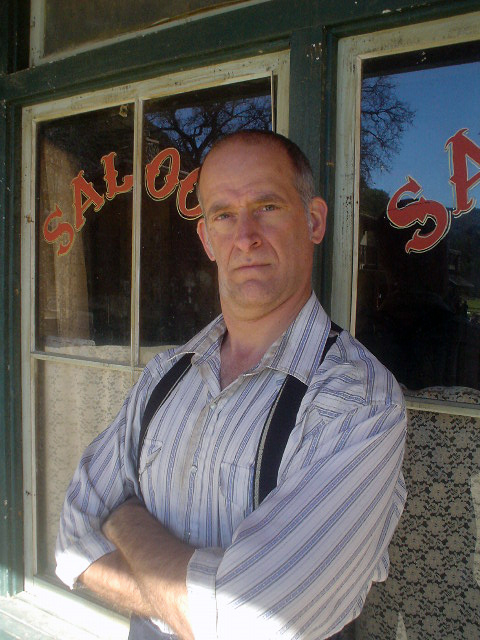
(246,269)
(256,265)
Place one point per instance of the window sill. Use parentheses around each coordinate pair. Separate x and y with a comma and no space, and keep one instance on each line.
(22,617)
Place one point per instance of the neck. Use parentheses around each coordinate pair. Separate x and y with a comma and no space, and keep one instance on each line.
(248,338)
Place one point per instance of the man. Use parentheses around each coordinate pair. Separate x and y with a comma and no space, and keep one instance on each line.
(181,542)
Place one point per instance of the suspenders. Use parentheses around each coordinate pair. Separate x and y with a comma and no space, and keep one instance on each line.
(275,434)
(277,428)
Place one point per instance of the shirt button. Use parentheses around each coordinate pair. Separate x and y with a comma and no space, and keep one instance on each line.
(194,468)
(213,406)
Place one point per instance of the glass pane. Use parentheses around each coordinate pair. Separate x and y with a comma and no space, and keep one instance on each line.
(178,283)
(418,305)
(74,404)
(69,23)
(84,234)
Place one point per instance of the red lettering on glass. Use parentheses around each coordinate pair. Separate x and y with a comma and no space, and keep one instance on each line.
(419,211)
(85,195)
(110,177)
(187,186)
(152,171)
(461,148)
(59,232)
(83,188)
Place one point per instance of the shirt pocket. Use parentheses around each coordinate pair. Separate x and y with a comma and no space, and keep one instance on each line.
(236,497)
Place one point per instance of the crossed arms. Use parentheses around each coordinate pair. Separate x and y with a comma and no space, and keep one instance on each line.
(146,578)
(301,564)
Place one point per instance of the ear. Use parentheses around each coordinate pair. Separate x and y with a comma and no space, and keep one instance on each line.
(203,235)
(318,214)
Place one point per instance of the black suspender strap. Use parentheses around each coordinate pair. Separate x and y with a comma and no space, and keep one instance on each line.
(161,392)
(278,427)
(276,431)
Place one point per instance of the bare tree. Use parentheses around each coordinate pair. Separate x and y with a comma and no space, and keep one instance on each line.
(384,119)
(192,130)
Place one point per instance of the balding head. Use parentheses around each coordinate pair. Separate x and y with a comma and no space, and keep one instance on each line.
(302,171)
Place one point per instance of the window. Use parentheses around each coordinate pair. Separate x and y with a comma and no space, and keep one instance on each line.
(405,281)
(414,227)
(418,287)
(112,269)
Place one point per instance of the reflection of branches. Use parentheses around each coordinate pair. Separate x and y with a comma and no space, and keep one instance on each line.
(192,130)
(384,119)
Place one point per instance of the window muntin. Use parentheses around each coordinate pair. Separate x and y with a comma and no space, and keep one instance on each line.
(79,371)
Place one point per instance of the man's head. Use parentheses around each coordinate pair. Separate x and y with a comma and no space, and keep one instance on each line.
(303,176)
(260,222)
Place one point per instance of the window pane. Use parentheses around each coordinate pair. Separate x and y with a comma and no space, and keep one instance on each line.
(74,404)
(178,282)
(69,23)
(418,304)
(84,234)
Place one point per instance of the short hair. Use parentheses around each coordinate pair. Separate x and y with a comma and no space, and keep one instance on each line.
(303,175)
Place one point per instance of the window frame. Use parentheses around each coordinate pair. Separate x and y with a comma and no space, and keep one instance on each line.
(275,66)
(352,52)
(309,29)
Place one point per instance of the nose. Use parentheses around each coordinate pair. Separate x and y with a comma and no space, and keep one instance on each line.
(247,232)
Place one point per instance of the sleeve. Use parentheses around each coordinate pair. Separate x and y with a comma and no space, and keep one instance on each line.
(301,565)
(104,479)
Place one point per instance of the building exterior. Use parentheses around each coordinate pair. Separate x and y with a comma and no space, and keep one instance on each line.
(107,109)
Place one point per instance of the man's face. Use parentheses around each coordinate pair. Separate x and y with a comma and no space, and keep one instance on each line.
(256,229)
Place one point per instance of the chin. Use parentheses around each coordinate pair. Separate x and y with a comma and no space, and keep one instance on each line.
(258,306)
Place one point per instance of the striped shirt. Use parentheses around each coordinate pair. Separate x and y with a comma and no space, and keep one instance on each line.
(301,564)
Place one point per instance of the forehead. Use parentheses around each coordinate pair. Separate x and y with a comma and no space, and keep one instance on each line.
(258,149)
(238,165)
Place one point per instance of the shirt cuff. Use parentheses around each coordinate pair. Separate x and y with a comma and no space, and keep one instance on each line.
(76,558)
(201,585)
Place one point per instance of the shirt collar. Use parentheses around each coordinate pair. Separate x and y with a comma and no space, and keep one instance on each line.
(296,352)
(206,343)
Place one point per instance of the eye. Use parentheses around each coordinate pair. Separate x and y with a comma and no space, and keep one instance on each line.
(218,216)
(222,215)
(268,207)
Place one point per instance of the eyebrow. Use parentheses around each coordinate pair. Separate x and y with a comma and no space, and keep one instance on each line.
(217,206)
(270,196)
(261,198)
